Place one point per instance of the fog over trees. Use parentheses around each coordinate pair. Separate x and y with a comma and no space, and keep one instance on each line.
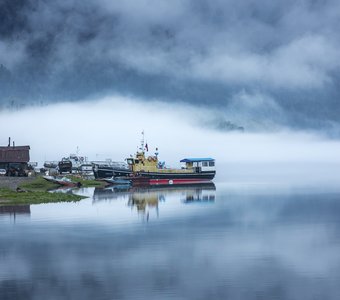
(260,65)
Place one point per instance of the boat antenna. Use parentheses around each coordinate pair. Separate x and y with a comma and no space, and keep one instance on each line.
(142,142)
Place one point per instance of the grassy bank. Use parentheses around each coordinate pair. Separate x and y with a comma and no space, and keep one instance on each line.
(36,191)
(86,182)
(8,196)
(39,184)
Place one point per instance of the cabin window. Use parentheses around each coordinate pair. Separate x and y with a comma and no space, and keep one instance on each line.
(211,164)
(130,161)
(204,163)
(136,161)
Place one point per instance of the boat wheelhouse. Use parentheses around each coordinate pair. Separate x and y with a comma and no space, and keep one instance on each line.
(199,164)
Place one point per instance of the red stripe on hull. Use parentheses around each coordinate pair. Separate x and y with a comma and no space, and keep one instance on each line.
(172,181)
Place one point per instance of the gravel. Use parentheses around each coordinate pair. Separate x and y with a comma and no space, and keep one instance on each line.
(13,182)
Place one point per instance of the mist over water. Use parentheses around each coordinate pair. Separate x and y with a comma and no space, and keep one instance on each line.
(111,128)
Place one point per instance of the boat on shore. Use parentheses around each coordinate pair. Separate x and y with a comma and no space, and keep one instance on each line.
(51,164)
(63,181)
(73,164)
(86,169)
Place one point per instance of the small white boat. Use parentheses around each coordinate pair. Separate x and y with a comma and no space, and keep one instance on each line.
(86,169)
(64,181)
(118,180)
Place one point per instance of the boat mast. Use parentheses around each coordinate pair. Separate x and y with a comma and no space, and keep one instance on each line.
(142,142)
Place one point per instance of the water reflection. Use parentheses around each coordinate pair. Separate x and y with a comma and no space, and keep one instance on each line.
(143,199)
(200,195)
(202,192)
(252,243)
(15,211)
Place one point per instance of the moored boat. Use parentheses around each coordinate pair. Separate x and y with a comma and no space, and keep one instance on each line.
(64,166)
(86,169)
(72,163)
(148,170)
(110,169)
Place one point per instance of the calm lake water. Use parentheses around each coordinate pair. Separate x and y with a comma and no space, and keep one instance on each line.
(223,241)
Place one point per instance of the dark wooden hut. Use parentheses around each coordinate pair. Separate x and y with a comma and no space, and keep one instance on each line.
(14,159)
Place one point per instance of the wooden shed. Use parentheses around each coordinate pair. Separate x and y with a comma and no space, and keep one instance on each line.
(15,154)
(14,159)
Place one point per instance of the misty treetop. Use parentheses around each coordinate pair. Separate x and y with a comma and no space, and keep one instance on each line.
(274,61)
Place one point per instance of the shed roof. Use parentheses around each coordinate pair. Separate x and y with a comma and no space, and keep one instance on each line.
(196,159)
(14,154)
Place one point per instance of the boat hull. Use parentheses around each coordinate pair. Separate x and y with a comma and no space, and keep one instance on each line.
(204,176)
(155,178)
(142,181)
(166,179)
(108,172)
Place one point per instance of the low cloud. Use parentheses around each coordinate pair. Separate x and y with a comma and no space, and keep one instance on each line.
(185,51)
(306,62)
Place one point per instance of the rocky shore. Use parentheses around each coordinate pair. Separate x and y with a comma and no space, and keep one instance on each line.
(13,182)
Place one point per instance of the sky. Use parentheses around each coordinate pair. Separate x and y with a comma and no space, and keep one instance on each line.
(262,65)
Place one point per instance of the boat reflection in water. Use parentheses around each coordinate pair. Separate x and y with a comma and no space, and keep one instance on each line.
(149,197)
(15,211)
(199,195)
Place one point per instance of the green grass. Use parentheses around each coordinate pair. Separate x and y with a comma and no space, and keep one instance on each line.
(86,182)
(36,191)
(39,184)
(8,196)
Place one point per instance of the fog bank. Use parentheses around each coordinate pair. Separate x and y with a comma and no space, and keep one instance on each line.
(111,128)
